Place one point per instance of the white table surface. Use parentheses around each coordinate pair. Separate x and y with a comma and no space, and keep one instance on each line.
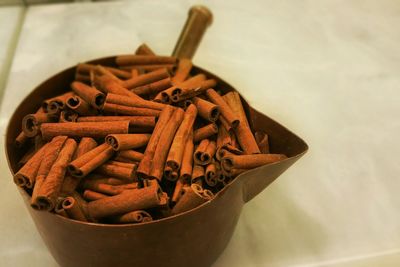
(10,22)
(328,70)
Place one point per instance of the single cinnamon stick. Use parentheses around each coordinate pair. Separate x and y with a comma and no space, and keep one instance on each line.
(126,60)
(147,78)
(84,68)
(134,121)
(144,49)
(58,209)
(132,111)
(243,132)
(31,122)
(92,195)
(108,84)
(72,208)
(194,90)
(178,190)
(83,78)
(90,94)
(117,171)
(224,108)
(127,141)
(137,216)
(145,165)
(176,151)
(205,132)
(153,88)
(68,116)
(130,102)
(207,110)
(109,189)
(134,73)
(170,174)
(49,157)
(84,129)
(94,179)
(211,174)
(183,70)
(198,173)
(21,139)
(80,106)
(262,142)
(130,200)
(192,197)
(52,184)
(164,143)
(130,155)
(25,177)
(89,161)
(187,159)
(175,91)
(249,161)
(148,67)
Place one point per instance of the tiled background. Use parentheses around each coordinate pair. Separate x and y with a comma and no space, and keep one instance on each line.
(328,70)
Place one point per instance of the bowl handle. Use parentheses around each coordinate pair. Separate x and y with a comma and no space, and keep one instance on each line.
(199,18)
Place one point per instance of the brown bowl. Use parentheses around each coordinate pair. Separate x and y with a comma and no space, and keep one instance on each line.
(193,238)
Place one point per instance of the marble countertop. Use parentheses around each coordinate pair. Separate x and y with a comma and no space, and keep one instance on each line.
(328,70)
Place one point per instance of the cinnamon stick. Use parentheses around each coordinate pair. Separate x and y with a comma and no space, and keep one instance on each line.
(127,60)
(92,195)
(84,129)
(243,132)
(90,94)
(134,121)
(224,108)
(153,88)
(182,71)
(131,111)
(207,110)
(249,161)
(164,143)
(55,104)
(147,78)
(205,132)
(130,200)
(144,49)
(72,208)
(118,171)
(192,197)
(80,106)
(70,182)
(127,141)
(137,216)
(176,151)
(26,176)
(131,102)
(130,155)
(21,139)
(211,174)
(187,160)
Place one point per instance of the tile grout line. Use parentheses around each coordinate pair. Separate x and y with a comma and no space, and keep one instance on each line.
(11,50)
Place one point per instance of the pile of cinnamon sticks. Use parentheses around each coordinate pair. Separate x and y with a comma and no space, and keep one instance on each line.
(141,140)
